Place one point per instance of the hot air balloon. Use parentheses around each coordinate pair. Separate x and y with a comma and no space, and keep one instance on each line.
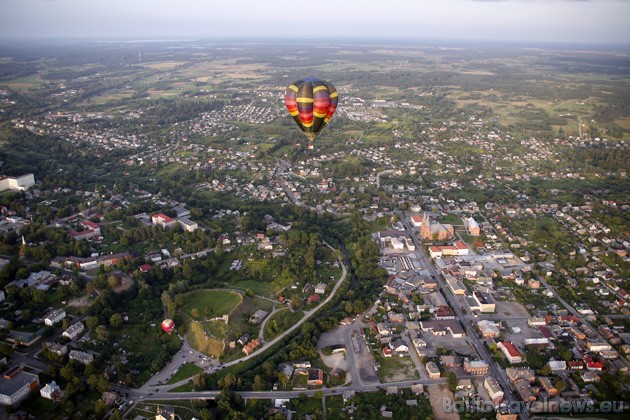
(168,325)
(311,103)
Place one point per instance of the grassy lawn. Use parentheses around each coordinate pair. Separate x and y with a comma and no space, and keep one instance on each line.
(280,322)
(219,302)
(27,82)
(299,381)
(453,219)
(208,336)
(266,289)
(188,370)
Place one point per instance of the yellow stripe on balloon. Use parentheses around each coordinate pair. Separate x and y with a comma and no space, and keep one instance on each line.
(318,115)
(307,125)
(294,113)
(334,95)
(318,88)
(305,100)
(293,88)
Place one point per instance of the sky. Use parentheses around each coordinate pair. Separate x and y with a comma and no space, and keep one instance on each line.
(578,21)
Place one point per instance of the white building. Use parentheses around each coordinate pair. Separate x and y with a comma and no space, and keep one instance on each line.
(20,183)
(81,356)
(74,330)
(54,317)
(15,385)
(494,389)
(188,224)
(50,391)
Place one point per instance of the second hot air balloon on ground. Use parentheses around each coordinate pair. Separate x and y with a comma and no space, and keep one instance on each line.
(168,325)
(311,102)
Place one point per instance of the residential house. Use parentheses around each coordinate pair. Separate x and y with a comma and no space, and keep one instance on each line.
(589,377)
(592,364)
(464,385)
(433,370)
(258,316)
(383,329)
(450,361)
(55,316)
(165,412)
(251,346)
(525,390)
(548,386)
(315,377)
(58,349)
(387,352)
(81,356)
(399,347)
(51,391)
(74,330)
(522,373)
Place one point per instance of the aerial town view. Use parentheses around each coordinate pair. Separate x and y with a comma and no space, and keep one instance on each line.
(202,225)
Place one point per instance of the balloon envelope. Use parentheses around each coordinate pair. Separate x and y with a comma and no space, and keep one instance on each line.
(311,103)
(168,325)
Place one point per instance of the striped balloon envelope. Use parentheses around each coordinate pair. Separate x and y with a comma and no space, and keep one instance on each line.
(311,103)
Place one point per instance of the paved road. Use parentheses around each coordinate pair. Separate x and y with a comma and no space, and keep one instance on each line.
(163,394)
(498,374)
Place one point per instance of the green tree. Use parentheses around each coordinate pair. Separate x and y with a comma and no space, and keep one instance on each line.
(113,282)
(452,381)
(116,321)
(101,333)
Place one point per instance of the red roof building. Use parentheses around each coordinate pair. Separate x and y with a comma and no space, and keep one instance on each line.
(90,225)
(162,220)
(545,332)
(592,364)
(510,351)
(145,267)
(444,312)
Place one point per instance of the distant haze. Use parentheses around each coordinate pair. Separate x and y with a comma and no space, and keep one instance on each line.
(580,21)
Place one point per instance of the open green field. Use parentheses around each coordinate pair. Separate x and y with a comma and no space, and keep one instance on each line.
(218,302)
(187,370)
(201,307)
(24,83)
(260,288)
(209,335)
(452,219)
(281,321)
